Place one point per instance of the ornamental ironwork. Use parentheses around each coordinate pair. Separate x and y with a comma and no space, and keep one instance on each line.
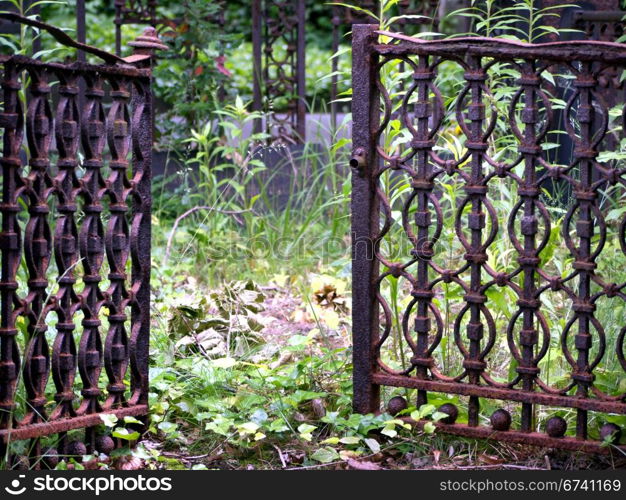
(278,38)
(75,248)
(489,315)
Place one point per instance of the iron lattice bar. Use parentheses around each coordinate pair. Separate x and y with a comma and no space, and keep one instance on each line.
(422,165)
(278,39)
(83,231)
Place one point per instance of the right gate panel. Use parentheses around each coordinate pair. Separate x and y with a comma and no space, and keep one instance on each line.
(489,275)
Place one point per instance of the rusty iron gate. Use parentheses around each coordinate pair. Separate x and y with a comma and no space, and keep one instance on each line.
(75,247)
(278,40)
(412,143)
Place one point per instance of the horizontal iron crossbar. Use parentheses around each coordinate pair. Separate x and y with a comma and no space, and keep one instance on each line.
(68,424)
(531,438)
(484,391)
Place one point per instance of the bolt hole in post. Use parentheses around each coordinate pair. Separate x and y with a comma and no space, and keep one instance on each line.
(485,336)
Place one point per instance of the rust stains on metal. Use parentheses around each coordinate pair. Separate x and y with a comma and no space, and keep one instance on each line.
(87,220)
(426,163)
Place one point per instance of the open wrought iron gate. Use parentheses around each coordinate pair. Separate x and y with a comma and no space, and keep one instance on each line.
(75,248)
(409,146)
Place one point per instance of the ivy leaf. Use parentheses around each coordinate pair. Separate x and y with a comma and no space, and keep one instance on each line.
(247,428)
(350,440)
(389,431)
(125,434)
(429,428)
(167,427)
(325,455)
(372,444)
(306,431)
(108,419)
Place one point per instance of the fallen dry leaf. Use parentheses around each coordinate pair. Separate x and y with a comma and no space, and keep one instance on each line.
(129,463)
(489,459)
(362,464)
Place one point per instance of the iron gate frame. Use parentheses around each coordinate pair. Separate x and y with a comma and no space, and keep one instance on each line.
(78,121)
(366,208)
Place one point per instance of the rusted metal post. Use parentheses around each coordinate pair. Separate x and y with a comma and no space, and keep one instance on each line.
(81,37)
(144,46)
(119,5)
(81,32)
(365,222)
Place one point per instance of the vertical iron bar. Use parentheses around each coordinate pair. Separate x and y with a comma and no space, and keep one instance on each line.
(119,5)
(81,36)
(257,64)
(301,71)
(365,213)
(422,187)
(142,173)
(11,248)
(336,21)
(81,33)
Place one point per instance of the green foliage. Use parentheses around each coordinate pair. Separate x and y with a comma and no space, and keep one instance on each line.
(252,403)
(318,71)
(189,78)
(523,20)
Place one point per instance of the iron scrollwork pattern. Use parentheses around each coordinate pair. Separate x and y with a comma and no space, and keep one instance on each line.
(278,39)
(76,207)
(399,201)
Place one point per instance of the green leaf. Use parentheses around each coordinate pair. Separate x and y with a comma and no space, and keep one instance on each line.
(389,431)
(350,440)
(372,444)
(306,431)
(429,428)
(126,434)
(224,362)
(167,427)
(306,428)
(247,428)
(325,455)
(108,419)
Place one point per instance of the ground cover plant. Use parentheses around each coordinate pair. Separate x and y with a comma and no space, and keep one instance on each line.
(251,336)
